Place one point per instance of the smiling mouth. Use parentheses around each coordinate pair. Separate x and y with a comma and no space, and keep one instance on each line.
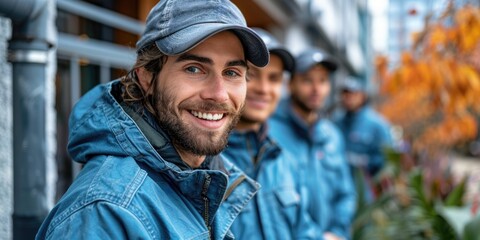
(207,116)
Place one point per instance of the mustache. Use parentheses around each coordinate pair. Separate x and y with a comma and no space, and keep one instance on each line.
(206,106)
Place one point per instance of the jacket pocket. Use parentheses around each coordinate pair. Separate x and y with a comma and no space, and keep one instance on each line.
(283,216)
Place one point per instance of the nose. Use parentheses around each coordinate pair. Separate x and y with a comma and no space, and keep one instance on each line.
(261,85)
(215,89)
(317,87)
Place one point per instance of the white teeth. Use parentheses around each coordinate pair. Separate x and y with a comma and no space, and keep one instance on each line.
(208,116)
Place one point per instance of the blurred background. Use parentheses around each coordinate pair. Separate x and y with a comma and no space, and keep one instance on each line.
(419,58)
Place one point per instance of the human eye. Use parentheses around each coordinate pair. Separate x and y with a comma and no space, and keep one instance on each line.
(232,73)
(276,78)
(193,70)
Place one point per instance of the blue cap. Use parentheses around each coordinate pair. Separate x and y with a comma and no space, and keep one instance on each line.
(275,47)
(352,84)
(313,56)
(176,26)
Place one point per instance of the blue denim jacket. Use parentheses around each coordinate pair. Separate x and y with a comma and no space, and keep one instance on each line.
(366,134)
(133,185)
(320,151)
(278,211)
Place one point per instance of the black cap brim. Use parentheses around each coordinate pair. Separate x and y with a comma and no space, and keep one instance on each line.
(287,58)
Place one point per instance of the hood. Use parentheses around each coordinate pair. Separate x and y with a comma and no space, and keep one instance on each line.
(102,125)
(95,126)
(99,126)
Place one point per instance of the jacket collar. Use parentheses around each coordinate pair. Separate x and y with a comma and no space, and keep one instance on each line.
(254,141)
(314,133)
(360,112)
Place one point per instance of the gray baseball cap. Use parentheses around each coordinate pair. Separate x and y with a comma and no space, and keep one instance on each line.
(177,26)
(313,56)
(275,47)
(352,84)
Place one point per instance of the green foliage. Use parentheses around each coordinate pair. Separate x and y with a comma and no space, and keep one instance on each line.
(410,207)
(455,197)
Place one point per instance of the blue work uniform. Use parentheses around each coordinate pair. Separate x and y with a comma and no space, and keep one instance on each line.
(366,134)
(320,151)
(134,184)
(279,209)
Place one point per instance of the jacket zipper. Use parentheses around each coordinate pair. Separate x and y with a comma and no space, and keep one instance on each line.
(260,152)
(206,201)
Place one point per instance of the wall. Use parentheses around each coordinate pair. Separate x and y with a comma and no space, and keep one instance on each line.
(6,152)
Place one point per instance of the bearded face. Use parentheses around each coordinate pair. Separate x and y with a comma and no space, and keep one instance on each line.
(310,90)
(199,95)
(187,135)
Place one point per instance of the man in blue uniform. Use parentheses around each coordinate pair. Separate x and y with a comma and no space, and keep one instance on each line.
(299,126)
(278,211)
(366,134)
(149,142)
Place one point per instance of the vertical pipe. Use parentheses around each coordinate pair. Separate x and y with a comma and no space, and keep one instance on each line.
(104,73)
(33,66)
(75,87)
(29,145)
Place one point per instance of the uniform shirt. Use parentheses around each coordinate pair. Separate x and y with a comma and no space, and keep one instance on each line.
(319,149)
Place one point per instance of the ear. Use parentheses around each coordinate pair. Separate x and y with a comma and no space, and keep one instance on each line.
(144,78)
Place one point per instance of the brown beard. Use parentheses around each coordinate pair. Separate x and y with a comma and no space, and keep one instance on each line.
(301,105)
(186,137)
(248,121)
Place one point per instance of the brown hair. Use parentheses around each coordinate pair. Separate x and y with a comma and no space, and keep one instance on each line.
(152,60)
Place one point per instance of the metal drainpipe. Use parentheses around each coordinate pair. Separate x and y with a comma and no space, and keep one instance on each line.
(32,55)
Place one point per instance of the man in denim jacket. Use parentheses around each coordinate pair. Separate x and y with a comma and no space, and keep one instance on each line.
(149,142)
(278,211)
(317,144)
(366,134)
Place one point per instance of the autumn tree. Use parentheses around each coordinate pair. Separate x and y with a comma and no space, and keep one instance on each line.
(434,93)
